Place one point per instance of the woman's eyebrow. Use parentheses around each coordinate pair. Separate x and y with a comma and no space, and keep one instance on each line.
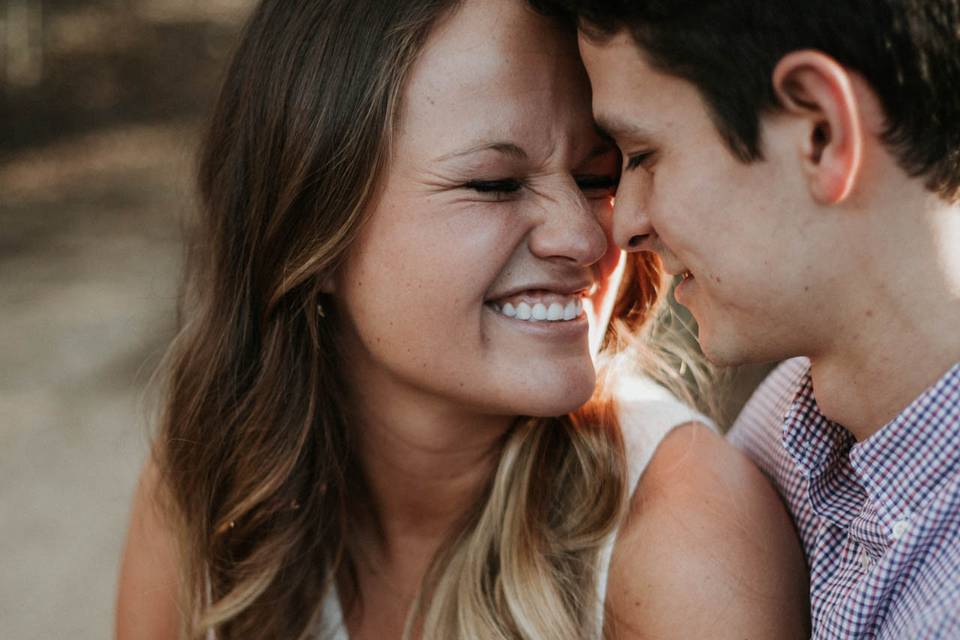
(506,148)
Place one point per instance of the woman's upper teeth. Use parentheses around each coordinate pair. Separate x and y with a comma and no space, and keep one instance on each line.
(550,308)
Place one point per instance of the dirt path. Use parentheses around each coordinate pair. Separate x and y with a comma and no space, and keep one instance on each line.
(89,259)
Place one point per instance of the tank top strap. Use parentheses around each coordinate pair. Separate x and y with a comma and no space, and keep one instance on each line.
(332,625)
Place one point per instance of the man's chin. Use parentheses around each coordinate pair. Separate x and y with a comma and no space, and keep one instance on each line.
(721,353)
(721,358)
(732,353)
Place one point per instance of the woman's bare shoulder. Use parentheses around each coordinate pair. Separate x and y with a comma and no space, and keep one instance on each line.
(147,593)
(707,550)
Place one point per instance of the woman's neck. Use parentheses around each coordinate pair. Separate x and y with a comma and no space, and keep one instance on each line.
(423,473)
(425,464)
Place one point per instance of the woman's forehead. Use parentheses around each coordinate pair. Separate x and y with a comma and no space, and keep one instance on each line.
(494,68)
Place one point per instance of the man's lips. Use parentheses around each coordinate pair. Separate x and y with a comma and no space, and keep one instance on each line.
(673,268)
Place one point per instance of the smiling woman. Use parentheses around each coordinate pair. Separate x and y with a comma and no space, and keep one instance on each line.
(502,208)
(399,254)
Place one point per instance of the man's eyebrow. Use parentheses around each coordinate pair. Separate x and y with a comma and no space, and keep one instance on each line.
(506,148)
(611,127)
(602,149)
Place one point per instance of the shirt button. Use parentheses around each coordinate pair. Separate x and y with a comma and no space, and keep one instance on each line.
(865,561)
(900,528)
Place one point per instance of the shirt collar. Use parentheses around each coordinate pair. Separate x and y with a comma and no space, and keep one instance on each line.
(814,442)
(902,465)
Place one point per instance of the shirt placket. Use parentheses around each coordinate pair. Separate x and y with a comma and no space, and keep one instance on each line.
(847,549)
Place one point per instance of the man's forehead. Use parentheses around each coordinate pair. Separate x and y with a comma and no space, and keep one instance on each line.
(625,87)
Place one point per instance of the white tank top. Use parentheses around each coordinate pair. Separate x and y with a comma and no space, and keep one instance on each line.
(647,413)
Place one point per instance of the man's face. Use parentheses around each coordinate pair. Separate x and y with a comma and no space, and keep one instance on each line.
(742,234)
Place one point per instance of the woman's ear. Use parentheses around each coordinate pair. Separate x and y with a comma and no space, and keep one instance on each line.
(816,88)
(327,284)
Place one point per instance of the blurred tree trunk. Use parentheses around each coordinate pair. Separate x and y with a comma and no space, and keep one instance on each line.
(22,42)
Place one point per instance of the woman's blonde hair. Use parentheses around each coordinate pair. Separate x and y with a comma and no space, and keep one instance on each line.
(255,448)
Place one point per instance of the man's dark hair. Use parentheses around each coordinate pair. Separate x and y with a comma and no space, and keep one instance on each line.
(907,50)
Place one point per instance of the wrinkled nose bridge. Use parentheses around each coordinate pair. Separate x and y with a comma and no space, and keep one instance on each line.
(568,227)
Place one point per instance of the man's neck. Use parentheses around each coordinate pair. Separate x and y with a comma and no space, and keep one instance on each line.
(902,331)
(865,399)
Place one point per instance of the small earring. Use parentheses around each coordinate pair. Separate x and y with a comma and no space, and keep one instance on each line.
(321,311)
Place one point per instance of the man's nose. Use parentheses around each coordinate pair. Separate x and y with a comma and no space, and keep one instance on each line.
(632,230)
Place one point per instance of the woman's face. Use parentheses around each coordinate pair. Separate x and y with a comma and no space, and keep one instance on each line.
(467,282)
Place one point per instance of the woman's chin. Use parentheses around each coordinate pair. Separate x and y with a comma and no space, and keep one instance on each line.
(566,394)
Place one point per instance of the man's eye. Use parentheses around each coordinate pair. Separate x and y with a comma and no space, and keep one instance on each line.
(495,187)
(640,159)
(598,186)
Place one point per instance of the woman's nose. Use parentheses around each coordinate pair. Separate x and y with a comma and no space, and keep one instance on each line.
(569,229)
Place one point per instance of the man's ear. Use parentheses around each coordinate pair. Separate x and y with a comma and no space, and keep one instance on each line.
(814,87)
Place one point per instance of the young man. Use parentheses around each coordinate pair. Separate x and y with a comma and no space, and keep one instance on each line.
(798,164)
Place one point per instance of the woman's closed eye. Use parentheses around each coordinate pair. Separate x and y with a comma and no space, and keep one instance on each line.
(500,189)
(594,186)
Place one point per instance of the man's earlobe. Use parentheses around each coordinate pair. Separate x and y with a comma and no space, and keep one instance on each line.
(816,88)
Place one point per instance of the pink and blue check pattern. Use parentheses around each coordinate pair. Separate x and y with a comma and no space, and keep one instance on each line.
(879,520)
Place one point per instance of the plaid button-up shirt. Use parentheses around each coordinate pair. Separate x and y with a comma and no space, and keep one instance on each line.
(880,519)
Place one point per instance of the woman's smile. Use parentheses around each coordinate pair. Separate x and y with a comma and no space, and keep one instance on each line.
(540,320)
(560,309)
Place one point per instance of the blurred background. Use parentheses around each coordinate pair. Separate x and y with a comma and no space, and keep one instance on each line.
(100,107)
(101,103)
